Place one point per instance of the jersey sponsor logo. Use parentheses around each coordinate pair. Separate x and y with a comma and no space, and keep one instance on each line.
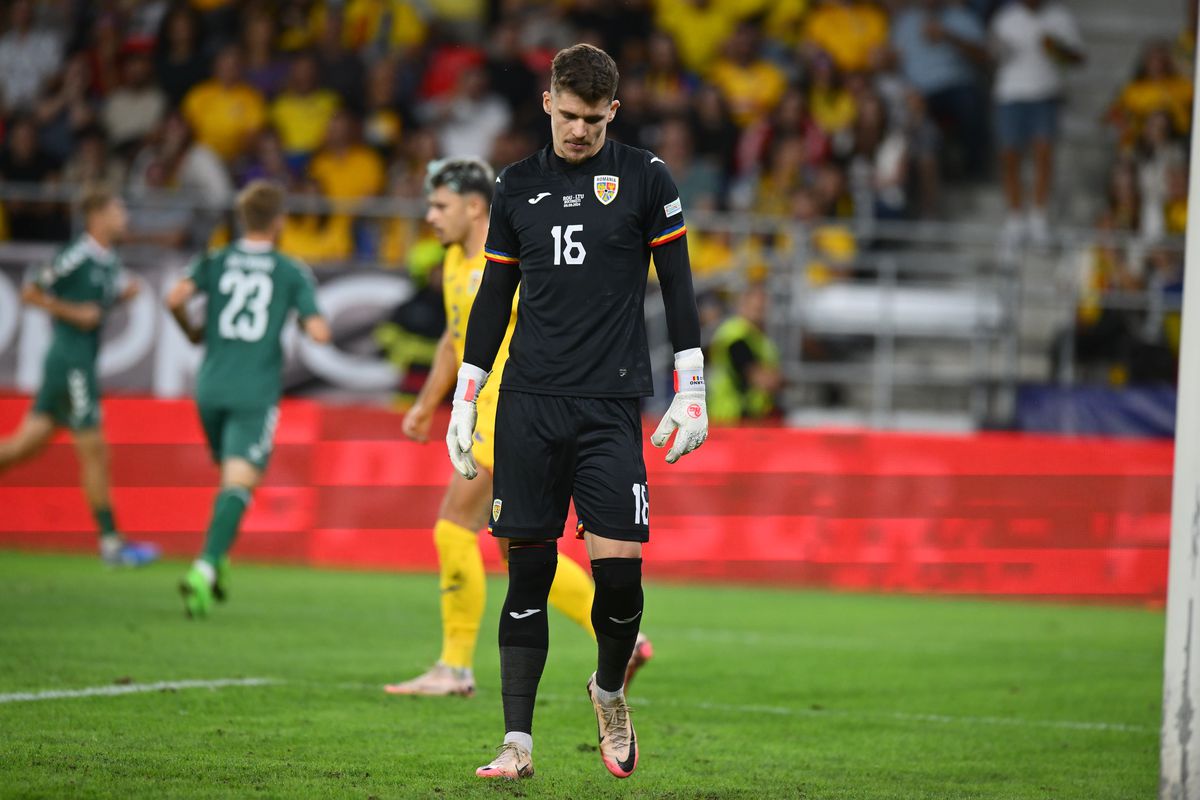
(497,504)
(572,200)
(606,187)
(674,207)
(533,201)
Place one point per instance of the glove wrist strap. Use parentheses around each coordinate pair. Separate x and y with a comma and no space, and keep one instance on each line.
(689,380)
(470,383)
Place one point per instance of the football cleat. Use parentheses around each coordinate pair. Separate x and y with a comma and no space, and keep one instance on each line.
(197,593)
(643,651)
(439,681)
(220,588)
(618,742)
(116,552)
(511,763)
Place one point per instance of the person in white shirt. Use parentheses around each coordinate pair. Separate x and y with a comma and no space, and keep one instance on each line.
(28,58)
(1032,41)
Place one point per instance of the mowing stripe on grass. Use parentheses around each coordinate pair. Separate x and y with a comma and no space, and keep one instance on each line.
(132,688)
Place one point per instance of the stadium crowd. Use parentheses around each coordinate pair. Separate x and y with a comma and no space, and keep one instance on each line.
(805,108)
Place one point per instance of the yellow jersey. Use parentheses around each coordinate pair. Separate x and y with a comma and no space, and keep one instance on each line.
(460,283)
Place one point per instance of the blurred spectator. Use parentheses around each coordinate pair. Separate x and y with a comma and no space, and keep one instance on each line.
(508,73)
(383,124)
(469,119)
(881,160)
(1156,87)
(853,33)
(1177,199)
(91,162)
(1124,199)
(155,218)
(341,69)
(266,70)
(225,112)
(382,26)
(302,112)
(750,84)
(671,88)
(698,181)
(313,235)
(1158,155)
(28,58)
(783,176)
(699,28)
(180,63)
(136,107)
(714,133)
(939,45)
(743,364)
(104,53)
(829,102)
(23,161)
(345,168)
(791,118)
(266,160)
(189,168)
(636,123)
(65,109)
(1032,39)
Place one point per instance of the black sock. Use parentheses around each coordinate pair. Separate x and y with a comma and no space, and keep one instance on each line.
(524,631)
(616,616)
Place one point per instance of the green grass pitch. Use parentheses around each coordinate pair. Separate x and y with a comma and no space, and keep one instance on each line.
(754,693)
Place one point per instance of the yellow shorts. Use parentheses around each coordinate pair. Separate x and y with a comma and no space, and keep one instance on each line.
(484,448)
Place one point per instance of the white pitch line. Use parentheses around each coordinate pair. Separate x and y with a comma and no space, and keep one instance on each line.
(132,688)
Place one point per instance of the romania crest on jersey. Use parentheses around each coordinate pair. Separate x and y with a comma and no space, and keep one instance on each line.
(496,506)
(606,188)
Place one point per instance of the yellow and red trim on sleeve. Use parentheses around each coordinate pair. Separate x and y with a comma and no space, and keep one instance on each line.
(669,235)
(499,257)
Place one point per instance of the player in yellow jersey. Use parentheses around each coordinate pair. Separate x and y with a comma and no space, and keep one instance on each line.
(460,195)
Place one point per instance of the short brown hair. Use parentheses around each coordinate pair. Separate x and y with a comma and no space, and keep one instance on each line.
(259,204)
(95,198)
(586,72)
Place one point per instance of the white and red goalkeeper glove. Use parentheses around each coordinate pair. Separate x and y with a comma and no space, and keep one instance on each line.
(461,433)
(688,414)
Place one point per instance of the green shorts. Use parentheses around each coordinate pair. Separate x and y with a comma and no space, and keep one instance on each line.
(70,395)
(247,433)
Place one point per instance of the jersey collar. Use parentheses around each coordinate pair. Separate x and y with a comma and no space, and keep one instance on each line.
(97,250)
(248,246)
(560,164)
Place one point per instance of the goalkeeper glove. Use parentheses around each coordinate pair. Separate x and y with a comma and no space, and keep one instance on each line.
(463,414)
(688,413)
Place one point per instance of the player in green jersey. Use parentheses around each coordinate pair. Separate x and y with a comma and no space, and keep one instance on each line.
(252,289)
(77,290)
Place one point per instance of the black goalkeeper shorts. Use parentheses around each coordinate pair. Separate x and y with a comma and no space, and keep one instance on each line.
(552,449)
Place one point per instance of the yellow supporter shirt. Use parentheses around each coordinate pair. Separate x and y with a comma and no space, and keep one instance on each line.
(301,119)
(224,117)
(356,173)
(1140,99)
(751,91)
(460,283)
(699,33)
(849,34)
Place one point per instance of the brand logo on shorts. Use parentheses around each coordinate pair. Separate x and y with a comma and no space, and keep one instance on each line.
(606,187)
(496,504)
(694,411)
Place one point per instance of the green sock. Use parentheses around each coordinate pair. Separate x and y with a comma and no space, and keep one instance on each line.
(104,520)
(227,516)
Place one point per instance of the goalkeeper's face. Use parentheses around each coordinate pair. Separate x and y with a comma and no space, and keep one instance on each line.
(576,126)
(448,215)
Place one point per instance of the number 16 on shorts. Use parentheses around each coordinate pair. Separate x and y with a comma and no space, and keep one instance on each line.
(641,504)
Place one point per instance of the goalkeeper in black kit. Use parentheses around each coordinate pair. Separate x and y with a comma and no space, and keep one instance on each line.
(575,225)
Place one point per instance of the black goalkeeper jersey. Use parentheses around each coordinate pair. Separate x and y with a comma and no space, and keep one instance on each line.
(581,235)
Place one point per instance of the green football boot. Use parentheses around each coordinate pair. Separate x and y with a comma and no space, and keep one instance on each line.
(197,593)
